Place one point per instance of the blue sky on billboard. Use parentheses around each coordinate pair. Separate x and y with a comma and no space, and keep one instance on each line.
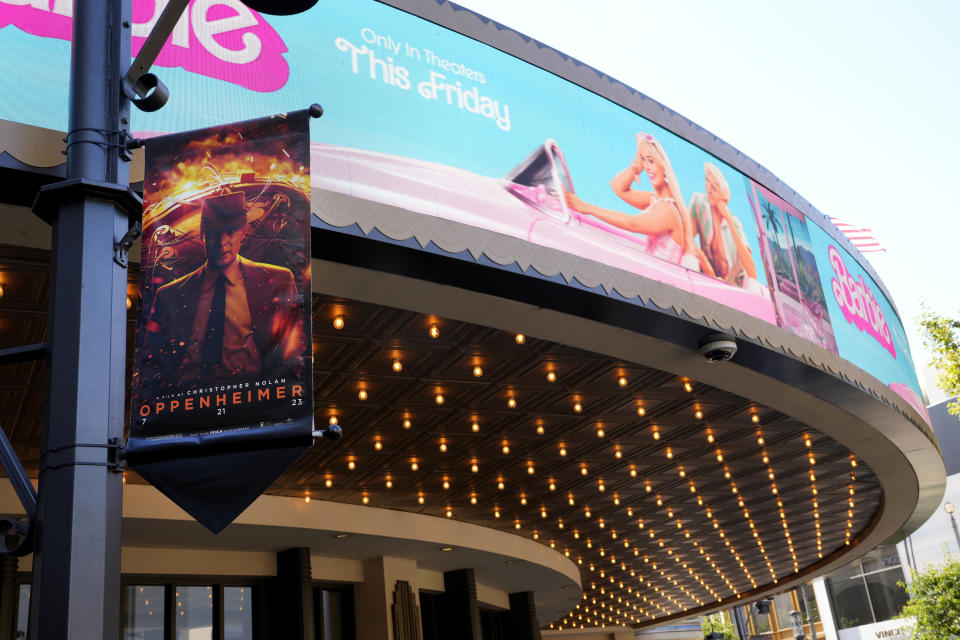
(849,103)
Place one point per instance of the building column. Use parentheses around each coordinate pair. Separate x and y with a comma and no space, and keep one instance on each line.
(458,611)
(826,610)
(523,617)
(292,614)
(387,602)
(8,596)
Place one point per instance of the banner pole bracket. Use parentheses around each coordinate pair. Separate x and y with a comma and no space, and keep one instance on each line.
(122,247)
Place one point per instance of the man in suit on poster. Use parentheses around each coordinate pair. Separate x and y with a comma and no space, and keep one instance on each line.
(230,317)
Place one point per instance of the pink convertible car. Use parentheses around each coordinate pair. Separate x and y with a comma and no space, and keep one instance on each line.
(527,204)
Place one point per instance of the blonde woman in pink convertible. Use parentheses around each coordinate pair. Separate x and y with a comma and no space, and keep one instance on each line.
(665,220)
(721,233)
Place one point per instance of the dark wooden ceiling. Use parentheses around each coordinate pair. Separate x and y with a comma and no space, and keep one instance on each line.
(653,535)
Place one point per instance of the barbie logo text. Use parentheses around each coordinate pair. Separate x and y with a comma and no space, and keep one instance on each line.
(220,39)
(856,300)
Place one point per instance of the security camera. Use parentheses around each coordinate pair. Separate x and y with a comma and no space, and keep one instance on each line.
(717,347)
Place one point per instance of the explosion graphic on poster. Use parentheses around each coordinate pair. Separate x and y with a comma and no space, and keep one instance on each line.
(224,323)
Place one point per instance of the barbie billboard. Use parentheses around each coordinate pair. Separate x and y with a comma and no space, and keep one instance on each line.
(445,127)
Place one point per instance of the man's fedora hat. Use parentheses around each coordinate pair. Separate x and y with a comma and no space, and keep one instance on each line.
(225,212)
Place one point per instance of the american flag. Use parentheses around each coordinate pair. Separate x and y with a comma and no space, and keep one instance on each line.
(862,239)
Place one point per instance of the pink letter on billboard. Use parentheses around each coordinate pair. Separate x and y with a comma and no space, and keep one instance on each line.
(221,39)
(856,301)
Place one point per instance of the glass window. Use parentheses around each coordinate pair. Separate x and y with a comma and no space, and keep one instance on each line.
(868,592)
(808,599)
(237,613)
(194,613)
(330,611)
(850,604)
(886,596)
(143,615)
(783,603)
(23,610)
(761,622)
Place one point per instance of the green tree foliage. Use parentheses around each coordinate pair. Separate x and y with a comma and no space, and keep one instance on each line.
(941,334)
(934,603)
(720,623)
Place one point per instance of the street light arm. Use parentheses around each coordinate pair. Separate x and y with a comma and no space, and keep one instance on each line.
(139,85)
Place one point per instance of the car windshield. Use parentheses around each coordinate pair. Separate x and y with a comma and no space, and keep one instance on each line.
(539,180)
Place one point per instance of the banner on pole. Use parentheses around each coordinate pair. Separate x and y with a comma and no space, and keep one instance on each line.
(222,395)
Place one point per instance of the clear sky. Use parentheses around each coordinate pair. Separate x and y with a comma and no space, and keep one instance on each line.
(853,103)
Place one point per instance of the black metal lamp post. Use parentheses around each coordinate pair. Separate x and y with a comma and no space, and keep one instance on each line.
(95,217)
(948,507)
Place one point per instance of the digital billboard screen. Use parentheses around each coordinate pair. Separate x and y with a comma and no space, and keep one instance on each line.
(425,119)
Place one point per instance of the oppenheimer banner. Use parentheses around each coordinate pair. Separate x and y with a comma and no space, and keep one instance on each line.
(223,350)
(424,119)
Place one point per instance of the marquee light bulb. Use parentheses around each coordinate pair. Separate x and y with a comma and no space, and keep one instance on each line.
(512,403)
(338,322)
(397,366)
(434,331)
(577,407)
(328,483)
(351,465)
(622,381)
(475,427)
(641,411)
(443,447)
(540,430)
(362,394)
(333,420)
(414,466)
(474,468)
(520,338)
(551,376)
(378,445)
(439,399)
(688,387)
(477,371)
(407,423)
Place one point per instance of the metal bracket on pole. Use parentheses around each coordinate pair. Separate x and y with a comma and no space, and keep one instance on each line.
(332,432)
(69,456)
(16,536)
(122,247)
(144,89)
(14,355)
